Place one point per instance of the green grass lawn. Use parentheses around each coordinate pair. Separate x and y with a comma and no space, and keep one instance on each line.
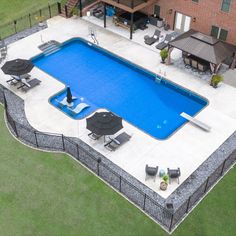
(51,194)
(13,9)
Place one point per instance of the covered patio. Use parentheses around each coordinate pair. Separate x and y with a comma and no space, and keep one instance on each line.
(203,52)
(126,13)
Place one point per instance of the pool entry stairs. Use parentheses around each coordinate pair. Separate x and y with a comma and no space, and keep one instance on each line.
(50,47)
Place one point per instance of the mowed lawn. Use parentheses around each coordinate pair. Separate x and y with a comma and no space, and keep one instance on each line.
(51,194)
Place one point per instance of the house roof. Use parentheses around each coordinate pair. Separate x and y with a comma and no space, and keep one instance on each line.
(203,46)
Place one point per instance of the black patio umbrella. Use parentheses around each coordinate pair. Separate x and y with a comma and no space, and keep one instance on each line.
(17,67)
(104,123)
(69,98)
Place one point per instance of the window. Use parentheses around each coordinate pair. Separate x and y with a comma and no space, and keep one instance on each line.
(225,5)
(219,33)
(156,10)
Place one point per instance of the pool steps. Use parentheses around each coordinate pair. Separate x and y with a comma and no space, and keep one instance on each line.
(51,49)
(196,122)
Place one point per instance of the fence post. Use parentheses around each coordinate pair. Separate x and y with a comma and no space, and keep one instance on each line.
(30,22)
(77,146)
(59,7)
(120,185)
(49,10)
(144,202)
(206,184)
(15,25)
(63,143)
(171,222)
(221,173)
(36,140)
(188,204)
(98,162)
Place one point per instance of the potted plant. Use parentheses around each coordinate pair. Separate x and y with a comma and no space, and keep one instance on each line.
(164,55)
(75,12)
(215,80)
(40,20)
(164,182)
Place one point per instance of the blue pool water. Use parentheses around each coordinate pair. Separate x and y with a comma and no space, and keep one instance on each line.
(105,81)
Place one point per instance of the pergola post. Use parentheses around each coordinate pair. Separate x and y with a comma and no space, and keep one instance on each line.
(131,25)
(104,17)
(233,64)
(80,8)
(168,60)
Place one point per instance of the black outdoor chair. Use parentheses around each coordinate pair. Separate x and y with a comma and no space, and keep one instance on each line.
(164,43)
(151,40)
(173,174)
(117,141)
(94,136)
(151,172)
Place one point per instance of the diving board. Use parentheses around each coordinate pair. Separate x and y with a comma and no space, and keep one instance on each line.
(196,122)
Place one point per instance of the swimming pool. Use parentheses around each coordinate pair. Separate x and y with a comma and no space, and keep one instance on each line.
(104,80)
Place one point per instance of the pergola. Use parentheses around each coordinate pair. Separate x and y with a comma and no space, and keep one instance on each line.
(130,6)
(204,47)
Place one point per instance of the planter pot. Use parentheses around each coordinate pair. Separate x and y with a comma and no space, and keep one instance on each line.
(41,24)
(163,186)
(163,60)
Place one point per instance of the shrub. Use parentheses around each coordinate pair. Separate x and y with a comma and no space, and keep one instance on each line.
(216,79)
(164,54)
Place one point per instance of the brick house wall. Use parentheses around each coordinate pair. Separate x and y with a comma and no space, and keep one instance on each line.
(206,12)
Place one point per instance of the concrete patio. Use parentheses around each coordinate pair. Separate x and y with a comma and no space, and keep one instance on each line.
(188,148)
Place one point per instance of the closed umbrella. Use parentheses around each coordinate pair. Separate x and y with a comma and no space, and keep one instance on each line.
(104,123)
(69,98)
(17,67)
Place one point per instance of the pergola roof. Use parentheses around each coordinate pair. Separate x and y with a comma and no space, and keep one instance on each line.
(203,46)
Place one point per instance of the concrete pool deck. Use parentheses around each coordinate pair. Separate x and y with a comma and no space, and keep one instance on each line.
(188,148)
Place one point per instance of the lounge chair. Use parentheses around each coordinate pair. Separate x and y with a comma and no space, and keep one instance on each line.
(151,172)
(64,102)
(94,136)
(27,85)
(16,79)
(117,141)
(79,108)
(164,43)
(151,40)
(173,174)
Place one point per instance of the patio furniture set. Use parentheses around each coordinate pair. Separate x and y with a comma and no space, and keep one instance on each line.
(106,124)
(195,63)
(151,172)
(18,69)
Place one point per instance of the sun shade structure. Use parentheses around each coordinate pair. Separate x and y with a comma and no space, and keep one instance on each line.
(204,47)
(104,123)
(17,67)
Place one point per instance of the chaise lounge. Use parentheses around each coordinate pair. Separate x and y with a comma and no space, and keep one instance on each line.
(64,102)
(151,40)
(164,43)
(117,141)
(27,85)
(79,108)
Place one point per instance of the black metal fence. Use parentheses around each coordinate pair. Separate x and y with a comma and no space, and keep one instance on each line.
(29,20)
(58,142)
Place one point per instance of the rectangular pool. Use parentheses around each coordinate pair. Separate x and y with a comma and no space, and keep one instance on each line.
(105,80)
